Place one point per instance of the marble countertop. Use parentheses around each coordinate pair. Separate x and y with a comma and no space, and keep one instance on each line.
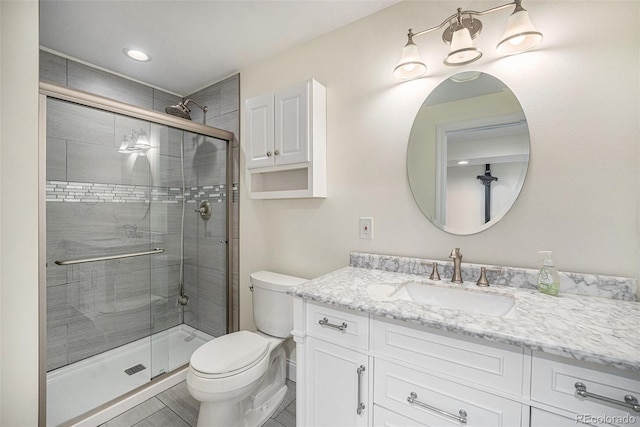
(600,330)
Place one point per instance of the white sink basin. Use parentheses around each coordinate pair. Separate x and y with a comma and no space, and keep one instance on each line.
(446,297)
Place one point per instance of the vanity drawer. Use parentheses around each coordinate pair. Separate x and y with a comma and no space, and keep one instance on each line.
(540,418)
(553,381)
(338,326)
(488,364)
(434,396)
(382,417)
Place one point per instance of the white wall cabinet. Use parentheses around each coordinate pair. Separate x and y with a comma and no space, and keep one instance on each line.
(416,376)
(285,142)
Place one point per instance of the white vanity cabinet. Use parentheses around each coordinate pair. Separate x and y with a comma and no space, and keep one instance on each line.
(411,375)
(285,142)
(359,370)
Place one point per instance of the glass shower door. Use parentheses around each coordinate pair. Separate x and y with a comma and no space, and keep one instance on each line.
(166,212)
(137,278)
(100,250)
(192,173)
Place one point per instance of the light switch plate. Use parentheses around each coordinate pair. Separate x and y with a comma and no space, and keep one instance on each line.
(366,228)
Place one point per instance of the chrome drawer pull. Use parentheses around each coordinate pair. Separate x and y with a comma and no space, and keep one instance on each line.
(629,400)
(325,322)
(360,408)
(413,399)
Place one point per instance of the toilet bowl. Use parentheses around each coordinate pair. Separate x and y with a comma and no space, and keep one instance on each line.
(240,378)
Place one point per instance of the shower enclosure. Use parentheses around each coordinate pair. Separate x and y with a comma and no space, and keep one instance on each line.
(137,247)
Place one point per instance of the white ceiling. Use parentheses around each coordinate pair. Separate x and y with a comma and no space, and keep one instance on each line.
(192,43)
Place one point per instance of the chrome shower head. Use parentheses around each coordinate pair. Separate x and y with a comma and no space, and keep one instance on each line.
(178,110)
(181,110)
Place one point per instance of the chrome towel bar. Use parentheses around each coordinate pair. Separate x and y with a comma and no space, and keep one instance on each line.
(108,257)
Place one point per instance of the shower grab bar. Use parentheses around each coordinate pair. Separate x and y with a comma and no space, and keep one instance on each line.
(108,257)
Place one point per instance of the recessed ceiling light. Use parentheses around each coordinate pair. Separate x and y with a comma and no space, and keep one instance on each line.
(136,54)
(463,162)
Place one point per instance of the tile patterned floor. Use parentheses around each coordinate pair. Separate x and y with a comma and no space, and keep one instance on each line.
(176,408)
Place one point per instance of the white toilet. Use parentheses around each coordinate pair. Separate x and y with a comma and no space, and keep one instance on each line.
(239,378)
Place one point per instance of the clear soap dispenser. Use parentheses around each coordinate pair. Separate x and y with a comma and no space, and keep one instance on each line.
(548,277)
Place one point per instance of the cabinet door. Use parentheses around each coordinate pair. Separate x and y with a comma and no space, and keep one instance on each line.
(337,384)
(292,122)
(260,131)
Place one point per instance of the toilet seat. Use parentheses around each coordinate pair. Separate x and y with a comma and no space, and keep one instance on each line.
(229,355)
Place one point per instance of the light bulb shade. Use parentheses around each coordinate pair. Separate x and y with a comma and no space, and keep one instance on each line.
(142,142)
(127,145)
(462,50)
(520,34)
(410,65)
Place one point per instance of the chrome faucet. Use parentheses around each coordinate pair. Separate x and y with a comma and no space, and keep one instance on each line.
(456,256)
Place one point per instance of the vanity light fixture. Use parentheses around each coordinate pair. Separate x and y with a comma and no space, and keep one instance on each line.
(128,144)
(134,142)
(462,28)
(142,142)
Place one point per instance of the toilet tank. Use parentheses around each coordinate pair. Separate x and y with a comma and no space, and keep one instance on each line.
(272,306)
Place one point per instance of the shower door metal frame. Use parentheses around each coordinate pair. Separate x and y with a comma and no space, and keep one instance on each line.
(49,90)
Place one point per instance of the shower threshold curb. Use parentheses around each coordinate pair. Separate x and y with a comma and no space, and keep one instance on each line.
(130,400)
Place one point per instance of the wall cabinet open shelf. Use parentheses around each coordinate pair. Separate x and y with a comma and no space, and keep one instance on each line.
(286,143)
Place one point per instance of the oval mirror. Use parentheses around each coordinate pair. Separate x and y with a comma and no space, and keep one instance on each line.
(468,153)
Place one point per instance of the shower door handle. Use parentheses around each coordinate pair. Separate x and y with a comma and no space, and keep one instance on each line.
(109,257)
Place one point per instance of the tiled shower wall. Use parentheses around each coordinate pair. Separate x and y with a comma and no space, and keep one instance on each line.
(76,173)
(223,102)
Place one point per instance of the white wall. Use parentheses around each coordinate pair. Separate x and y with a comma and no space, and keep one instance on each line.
(580,94)
(19,218)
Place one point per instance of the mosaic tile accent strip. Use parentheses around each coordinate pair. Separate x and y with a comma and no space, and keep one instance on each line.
(91,192)
(620,288)
(212,193)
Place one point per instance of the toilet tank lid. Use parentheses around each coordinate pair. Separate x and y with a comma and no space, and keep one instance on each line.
(275,281)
